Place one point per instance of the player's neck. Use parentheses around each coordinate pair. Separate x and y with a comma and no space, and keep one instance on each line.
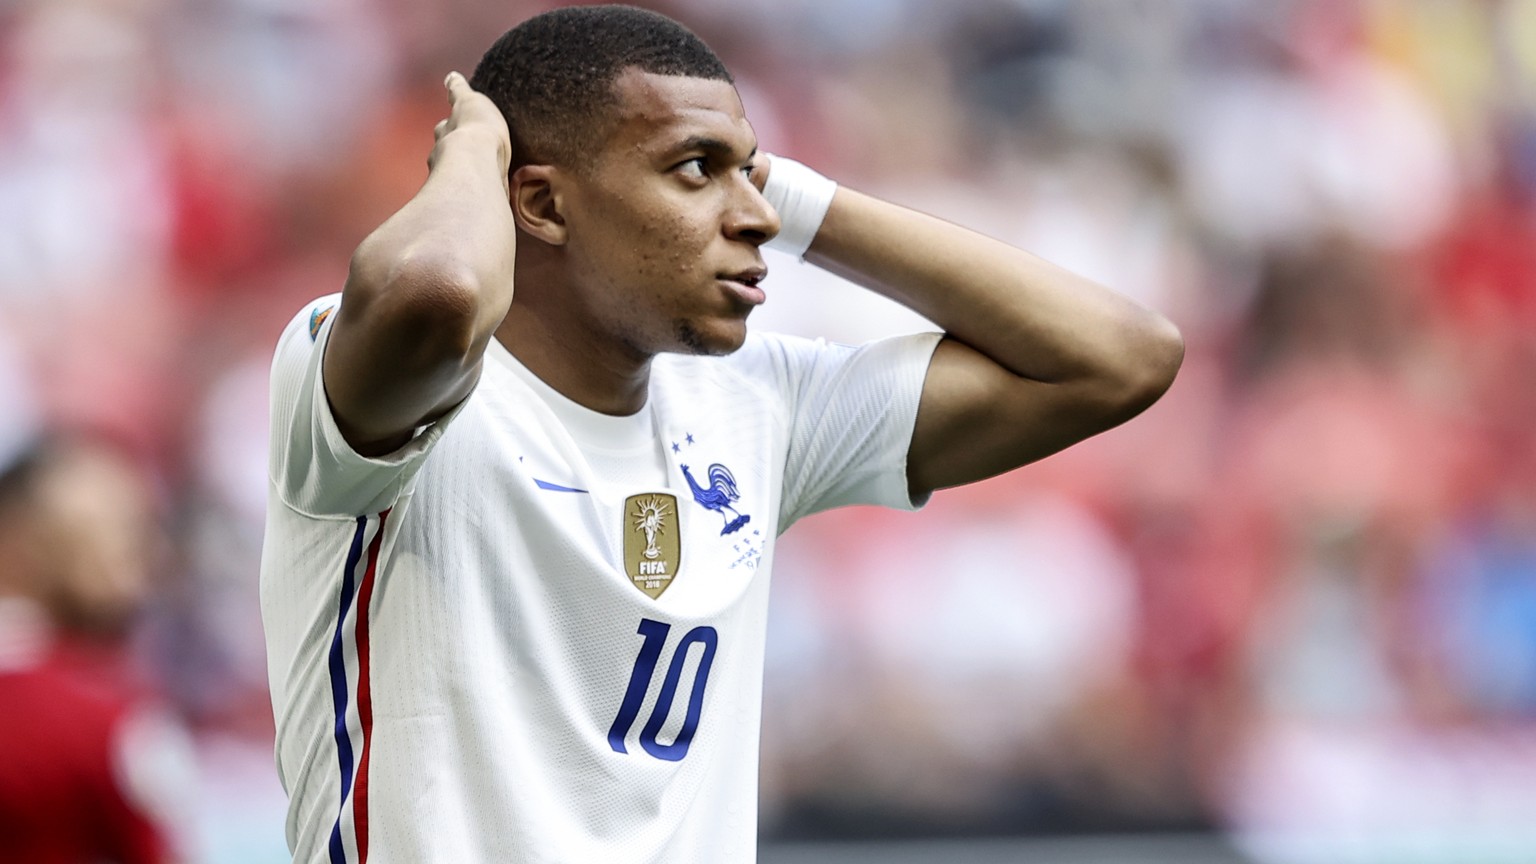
(588,368)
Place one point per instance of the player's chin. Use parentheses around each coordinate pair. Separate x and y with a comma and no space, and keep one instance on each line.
(714,337)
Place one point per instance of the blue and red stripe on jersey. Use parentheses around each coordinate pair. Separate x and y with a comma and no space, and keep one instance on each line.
(353,700)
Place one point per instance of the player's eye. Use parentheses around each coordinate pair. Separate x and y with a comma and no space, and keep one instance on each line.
(696,167)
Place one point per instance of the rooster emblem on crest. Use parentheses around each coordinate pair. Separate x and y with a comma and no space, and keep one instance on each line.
(718,496)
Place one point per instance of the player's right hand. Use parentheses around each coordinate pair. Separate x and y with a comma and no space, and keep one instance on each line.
(469,109)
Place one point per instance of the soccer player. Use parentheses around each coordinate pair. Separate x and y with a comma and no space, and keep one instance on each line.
(527,472)
(90,768)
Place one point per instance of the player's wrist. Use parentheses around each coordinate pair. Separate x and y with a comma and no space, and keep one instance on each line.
(476,136)
(802,197)
(472,150)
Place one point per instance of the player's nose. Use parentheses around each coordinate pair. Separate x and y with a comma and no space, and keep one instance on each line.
(750,218)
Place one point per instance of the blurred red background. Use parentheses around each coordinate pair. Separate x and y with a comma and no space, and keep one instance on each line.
(1294,603)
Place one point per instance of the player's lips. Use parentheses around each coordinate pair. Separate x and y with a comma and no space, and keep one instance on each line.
(744,284)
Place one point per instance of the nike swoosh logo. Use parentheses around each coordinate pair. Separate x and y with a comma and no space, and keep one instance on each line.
(555,487)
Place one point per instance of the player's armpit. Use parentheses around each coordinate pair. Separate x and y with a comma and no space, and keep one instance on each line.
(976,419)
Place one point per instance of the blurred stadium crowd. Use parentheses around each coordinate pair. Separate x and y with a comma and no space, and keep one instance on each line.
(1295,601)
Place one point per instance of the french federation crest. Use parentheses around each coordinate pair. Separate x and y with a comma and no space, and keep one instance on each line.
(653,548)
(718,496)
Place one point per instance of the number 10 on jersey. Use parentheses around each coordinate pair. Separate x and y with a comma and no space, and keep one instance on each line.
(655,633)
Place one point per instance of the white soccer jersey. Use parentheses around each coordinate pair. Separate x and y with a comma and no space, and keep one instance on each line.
(482,648)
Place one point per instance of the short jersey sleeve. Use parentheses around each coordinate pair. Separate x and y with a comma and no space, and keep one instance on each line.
(852,411)
(314,469)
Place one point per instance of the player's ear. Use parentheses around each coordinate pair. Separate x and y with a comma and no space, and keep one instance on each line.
(536,200)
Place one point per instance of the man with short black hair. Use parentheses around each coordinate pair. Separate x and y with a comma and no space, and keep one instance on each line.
(528,470)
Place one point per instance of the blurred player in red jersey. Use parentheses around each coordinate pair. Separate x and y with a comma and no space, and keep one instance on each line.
(85,760)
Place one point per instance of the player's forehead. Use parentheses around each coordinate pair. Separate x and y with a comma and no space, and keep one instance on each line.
(657,113)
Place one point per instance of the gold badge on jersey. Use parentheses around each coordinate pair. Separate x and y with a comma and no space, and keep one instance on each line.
(653,548)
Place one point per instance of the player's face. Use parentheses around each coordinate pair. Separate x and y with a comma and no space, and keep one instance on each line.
(94,540)
(664,231)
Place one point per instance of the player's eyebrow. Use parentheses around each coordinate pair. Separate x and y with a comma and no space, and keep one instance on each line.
(715,147)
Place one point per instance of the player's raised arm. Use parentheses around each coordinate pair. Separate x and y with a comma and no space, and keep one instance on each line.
(428,287)
(1036,358)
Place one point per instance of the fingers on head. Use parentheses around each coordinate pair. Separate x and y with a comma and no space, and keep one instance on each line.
(456,85)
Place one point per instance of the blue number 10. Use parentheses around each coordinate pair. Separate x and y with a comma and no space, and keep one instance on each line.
(655,633)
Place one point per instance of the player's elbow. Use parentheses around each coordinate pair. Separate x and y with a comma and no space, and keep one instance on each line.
(1152,350)
(429,302)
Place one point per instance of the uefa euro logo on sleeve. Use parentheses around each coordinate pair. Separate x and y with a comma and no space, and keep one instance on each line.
(653,548)
(317,318)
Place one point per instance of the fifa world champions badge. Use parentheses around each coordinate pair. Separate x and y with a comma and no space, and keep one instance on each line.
(653,548)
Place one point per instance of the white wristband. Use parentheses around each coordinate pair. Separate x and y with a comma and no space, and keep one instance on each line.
(802,198)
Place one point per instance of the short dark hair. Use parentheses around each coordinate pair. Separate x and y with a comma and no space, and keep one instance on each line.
(26,474)
(552,76)
(19,477)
